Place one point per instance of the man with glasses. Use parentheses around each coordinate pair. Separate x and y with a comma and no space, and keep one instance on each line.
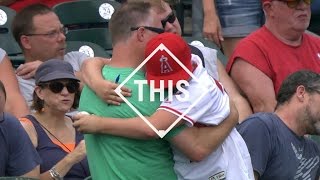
(41,36)
(170,24)
(115,157)
(276,142)
(265,58)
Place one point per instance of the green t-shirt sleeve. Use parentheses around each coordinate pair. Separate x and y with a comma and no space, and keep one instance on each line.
(175,131)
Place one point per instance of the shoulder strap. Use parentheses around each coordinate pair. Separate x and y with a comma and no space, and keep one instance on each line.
(196,51)
(39,130)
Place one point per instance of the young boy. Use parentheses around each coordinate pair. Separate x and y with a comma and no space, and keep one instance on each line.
(231,160)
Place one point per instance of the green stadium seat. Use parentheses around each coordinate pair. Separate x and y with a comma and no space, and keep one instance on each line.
(7,42)
(87,20)
(100,36)
(89,48)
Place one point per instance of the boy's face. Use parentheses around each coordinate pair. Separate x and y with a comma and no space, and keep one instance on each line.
(173,27)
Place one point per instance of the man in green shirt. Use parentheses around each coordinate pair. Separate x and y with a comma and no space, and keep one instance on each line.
(114,157)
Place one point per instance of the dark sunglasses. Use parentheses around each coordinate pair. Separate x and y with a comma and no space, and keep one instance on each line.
(153,29)
(295,3)
(170,19)
(57,87)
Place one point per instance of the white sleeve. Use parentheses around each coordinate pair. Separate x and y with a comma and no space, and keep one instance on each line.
(76,59)
(211,109)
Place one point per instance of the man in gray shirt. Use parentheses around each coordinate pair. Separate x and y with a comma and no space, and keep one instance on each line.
(276,142)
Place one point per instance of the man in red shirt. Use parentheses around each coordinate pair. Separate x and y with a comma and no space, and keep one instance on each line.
(265,58)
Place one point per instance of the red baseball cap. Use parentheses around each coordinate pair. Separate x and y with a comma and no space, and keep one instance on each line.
(162,66)
(265,1)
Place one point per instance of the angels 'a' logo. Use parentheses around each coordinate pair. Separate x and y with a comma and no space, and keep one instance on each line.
(165,66)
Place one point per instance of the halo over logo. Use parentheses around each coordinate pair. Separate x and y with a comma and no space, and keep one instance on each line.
(161,133)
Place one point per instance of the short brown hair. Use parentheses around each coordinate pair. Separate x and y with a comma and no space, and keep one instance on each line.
(38,103)
(23,21)
(129,15)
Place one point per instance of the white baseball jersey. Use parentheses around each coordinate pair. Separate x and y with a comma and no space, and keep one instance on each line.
(229,161)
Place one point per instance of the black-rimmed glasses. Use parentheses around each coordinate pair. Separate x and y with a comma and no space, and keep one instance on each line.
(52,34)
(295,3)
(170,19)
(153,29)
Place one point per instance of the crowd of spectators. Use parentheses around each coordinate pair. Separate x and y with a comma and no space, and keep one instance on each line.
(260,120)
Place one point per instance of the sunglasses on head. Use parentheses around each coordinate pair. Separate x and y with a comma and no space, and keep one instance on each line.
(170,19)
(57,87)
(295,3)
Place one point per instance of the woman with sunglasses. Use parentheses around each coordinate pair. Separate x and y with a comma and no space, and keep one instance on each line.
(60,146)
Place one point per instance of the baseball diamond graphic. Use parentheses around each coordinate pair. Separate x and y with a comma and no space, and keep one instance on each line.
(161,133)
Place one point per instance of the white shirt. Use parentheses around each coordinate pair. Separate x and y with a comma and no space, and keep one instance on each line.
(231,160)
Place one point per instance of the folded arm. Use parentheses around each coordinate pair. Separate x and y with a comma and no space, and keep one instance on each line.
(192,141)
(198,143)
(92,77)
(259,90)
(129,127)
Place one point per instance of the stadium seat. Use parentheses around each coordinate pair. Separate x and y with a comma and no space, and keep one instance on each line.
(100,36)
(91,49)
(87,20)
(209,44)
(7,41)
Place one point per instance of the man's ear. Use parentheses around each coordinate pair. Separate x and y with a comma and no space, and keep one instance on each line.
(141,34)
(267,8)
(25,42)
(301,92)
